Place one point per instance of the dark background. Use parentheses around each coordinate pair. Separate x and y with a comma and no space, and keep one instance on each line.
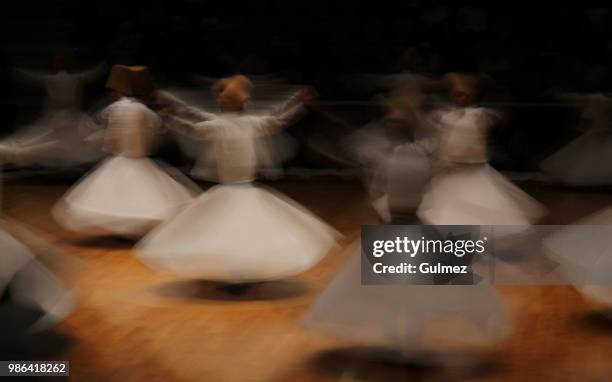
(527,50)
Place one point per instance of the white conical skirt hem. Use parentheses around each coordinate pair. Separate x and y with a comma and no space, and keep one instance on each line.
(584,253)
(239,233)
(56,140)
(477,195)
(124,196)
(584,161)
(409,318)
(31,284)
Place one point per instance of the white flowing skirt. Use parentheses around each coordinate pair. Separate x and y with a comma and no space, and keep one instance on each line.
(583,162)
(239,233)
(401,178)
(57,139)
(477,195)
(31,284)
(409,318)
(584,252)
(125,196)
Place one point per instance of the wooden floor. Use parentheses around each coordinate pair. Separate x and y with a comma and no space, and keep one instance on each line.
(136,325)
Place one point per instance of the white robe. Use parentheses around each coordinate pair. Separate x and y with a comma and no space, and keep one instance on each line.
(58,138)
(127,194)
(237,232)
(421,321)
(400,179)
(465,190)
(271,150)
(395,170)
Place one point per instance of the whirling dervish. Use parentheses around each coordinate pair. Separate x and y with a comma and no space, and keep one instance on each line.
(127,194)
(427,324)
(465,189)
(58,139)
(395,154)
(271,150)
(25,281)
(238,232)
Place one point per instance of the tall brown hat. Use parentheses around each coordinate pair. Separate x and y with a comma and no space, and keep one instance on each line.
(131,80)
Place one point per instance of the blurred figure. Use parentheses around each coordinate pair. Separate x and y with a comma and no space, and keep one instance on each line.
(271,150)
(585,256)
(400,101)
(57,138)
(585,160)
(26,283)
(129,193)
(238,232)
(426,324)
(410,79)
(396,155)
(465,190)
(583,248)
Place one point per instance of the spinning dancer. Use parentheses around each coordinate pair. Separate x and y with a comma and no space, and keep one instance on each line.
(128,194)
(58,138)
(238,232)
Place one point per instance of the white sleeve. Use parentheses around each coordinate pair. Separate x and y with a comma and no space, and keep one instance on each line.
(267,125)
(289,110)
(183,109)
(280,118)
(201,130)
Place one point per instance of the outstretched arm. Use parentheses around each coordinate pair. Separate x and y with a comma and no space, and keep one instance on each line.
(292,109)
(201,130)
(182,108)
